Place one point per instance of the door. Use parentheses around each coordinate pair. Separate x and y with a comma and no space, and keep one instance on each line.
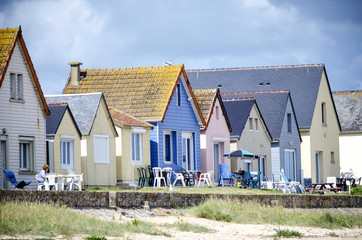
(187,151)
(289,164)
(318,167)
(216,161)
(3,161)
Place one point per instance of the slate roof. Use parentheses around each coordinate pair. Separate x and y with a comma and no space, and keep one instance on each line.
(8,39)
(272,106)
(142,92)
(120,118)
(349,109)
(57,113)
(83,106)
(238,112)
(301,80)
(206,100)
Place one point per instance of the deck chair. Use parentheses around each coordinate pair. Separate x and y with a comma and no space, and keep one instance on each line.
(10,176)
(290,187)
(245,182)
(179,177)
(254,181)
(225,175)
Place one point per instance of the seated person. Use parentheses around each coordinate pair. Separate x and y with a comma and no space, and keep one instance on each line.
(41,176)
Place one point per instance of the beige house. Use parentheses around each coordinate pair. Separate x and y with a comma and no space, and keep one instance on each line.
(132,146)
(63,137)
(97,146)
(23,111)
(249,133)
(312,100)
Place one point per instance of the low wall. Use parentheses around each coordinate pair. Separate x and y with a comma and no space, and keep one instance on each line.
(174,200)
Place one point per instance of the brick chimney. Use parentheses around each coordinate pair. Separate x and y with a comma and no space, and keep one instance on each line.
(75,73)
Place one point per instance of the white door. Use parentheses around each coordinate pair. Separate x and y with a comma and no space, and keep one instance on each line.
(187,151)
(289,166)
(318,167)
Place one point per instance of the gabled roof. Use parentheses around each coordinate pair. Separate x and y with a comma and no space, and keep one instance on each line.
(206,100)
(84,108)
(272,106)
(239,112)
(123,119)
(57,113)
(300,80)
(8,39)
(349,109)
(142,92)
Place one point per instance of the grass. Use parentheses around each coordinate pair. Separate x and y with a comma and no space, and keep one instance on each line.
(195,190)
(50,221)
(287,233)
(252,213)
(187,227)
(356,190)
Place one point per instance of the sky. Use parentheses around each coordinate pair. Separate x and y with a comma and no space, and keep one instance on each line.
(198,34)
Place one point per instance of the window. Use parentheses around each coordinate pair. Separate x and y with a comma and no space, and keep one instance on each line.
(178,95)
(26,153)
(332,158)
(217,112)
(251,124)
(67,152)
(101,149)
(289,117)
(168,147)
(136,145)
(324,116)
(256,124)
(16,86)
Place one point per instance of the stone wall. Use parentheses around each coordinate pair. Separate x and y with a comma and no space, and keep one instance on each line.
(175,200)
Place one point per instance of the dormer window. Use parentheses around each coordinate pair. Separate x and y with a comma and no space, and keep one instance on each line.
(16,87)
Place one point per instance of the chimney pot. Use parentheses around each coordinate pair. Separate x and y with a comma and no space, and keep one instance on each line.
(75,73)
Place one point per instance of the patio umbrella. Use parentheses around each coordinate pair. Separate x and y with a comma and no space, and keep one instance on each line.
(240,153)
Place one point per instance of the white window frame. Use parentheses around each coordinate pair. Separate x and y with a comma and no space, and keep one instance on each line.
(69,148)
(164,147)
(29,162)
(133,147)
(97,152)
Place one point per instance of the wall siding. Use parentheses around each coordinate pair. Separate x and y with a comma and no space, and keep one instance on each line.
(180,119)
(22,119)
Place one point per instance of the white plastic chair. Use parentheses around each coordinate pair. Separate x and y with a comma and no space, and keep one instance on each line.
(51,180)
(157,174)
(205,178)
(168,172)
(77,181)
(179,176)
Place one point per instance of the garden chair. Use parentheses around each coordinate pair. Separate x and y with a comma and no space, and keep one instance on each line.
(10,176)
(150,175)
(205,178)
(140,178)
(245,182)
(255,180)
(51,181)
(290,186)
(225,175)
(77,180)
(179,177)
(158,178)
(145,176)
(168,172)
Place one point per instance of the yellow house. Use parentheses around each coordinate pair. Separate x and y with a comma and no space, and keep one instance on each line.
(63,136)
(97,145)
(132,146)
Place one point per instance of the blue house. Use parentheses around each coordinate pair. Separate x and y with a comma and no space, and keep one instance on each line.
(161,96)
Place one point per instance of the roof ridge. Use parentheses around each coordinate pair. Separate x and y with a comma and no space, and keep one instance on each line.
(257,67)
(238,99)
(73,94)
(57,104)
(256,92)
(128,68)
(347,91)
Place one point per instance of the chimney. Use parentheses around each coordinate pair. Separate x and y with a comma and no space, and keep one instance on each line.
(75,73)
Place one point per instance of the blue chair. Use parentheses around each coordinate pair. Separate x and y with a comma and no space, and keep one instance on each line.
(225,175)
(246,179)
(255,180)
(11,178)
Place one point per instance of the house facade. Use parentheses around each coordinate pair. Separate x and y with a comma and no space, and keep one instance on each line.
(312,100)
(63,137)
(278,113)
(349,105)
(161,96)
(215,137)
(250,133)
(23,111)
(97,146)
(132,146)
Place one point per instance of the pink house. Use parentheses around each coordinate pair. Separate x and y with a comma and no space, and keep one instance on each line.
(215,136)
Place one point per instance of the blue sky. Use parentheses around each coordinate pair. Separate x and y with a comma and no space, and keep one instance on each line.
(199,34)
